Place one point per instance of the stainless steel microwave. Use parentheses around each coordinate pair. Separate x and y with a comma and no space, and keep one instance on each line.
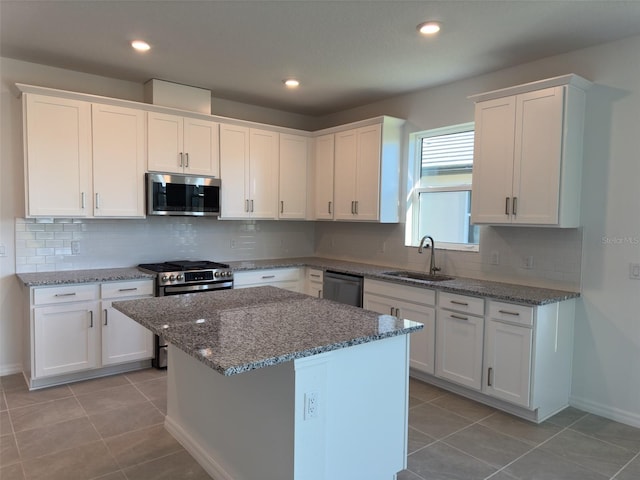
(175,194)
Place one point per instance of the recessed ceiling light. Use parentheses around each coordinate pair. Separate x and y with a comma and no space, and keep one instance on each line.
(291,83)
(140,45)
(429,28)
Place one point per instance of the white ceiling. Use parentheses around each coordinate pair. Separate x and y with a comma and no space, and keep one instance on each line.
(346,53)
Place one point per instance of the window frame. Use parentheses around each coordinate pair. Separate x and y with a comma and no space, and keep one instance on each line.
(414,188)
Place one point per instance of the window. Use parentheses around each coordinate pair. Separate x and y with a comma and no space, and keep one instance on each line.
(440,188)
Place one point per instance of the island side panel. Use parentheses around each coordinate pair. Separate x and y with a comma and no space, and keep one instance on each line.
(368,396)
(239,427)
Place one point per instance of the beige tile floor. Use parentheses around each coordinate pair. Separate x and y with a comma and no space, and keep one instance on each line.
(111,429)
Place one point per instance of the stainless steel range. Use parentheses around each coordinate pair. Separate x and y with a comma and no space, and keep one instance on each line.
(185,276)
(189,276)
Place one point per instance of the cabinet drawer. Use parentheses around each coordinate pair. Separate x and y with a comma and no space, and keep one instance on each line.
(509,312)
(260,277)
(314,275)
(461,303)
(68,293)
(127,289)
(423,296)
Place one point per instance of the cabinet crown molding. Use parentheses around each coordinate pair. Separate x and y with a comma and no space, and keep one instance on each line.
(569,79)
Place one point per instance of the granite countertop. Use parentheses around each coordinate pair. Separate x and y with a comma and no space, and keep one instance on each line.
(97,275)
(506,292)
(234,331)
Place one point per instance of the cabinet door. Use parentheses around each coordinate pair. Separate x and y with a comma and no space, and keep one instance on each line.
(58,156)
(346,151)
(263,173)
(459,342)
(493,161)
(165,142)
(294,159)
(323,167)
(508,362)
(422,353)
(368,173)
(234,170)
(201,147)
(123,340)
(118,161)
(538,156)
(66,338)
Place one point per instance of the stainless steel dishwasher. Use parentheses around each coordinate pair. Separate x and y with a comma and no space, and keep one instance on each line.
(343,288)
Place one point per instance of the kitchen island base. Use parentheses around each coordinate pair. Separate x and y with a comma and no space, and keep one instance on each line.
(337,415)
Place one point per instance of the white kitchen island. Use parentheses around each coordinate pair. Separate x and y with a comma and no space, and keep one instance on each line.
(273,385)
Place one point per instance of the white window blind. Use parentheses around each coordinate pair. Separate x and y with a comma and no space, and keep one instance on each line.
(450,153)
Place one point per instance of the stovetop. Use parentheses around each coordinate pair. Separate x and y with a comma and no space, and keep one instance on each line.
(182,266)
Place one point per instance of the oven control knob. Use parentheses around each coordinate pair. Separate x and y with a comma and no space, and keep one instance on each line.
(228,273)
(179,277)
(165,278)
(172,278)
(217,274)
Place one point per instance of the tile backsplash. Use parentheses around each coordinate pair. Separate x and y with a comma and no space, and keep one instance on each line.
(44,245)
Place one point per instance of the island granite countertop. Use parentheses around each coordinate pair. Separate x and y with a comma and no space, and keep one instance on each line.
(507,292)
(234,331)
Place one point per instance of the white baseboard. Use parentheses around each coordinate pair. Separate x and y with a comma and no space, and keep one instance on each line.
(206,461)
(622,416)
(10,369)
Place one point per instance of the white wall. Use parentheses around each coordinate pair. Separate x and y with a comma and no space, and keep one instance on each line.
(606,367)
(110,243)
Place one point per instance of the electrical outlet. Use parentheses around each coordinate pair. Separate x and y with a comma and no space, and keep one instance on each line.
(233,243)
(3,251)
(495,258)
(311,407)
(634,271)
(527,262)
(75,247)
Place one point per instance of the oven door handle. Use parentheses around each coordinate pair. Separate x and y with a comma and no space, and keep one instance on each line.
(202,287)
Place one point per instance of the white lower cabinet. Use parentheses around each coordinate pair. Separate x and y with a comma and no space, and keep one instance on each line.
(313,282)
(66,338)
(68,335)
(286,278)
(124,340)
(508,362)
(410,303)
(460,339)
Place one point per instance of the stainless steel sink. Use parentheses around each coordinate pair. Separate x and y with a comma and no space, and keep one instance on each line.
(425,277)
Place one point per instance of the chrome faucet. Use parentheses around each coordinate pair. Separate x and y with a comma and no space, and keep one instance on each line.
(432,261)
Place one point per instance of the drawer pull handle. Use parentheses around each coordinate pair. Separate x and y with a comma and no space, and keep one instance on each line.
(132,289)
(329,208)
(458,317)
(251,206)
(319,293)
(514,207)
(506,206)
(314,275)
(186,155)
(268,276)
(281,206)
(464,304)
(106,321)
(489,380)
(65,294)
(507,312)
(90,318)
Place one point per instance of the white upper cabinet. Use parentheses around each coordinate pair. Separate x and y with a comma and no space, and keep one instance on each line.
(528,154)
(118,161)
(179,144)
(57,137)
(323,176)
(249,171)
(367,172)
(83,159)
(294,167)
